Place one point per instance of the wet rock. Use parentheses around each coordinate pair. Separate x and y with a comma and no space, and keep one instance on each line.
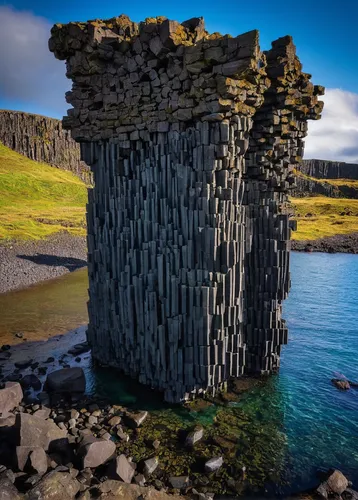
(95,452)
(341,384)
(31,381)
(179,482)
(51,359)
(213,464)
(14,377)
(194,436)
(79,348)
(10,397)
(135,420)
(156,444)
(44,398)
(24,363)
(55,486)
(34,431)
(336,483)
(66,381)
(124,469)
(150,465)
(5,347)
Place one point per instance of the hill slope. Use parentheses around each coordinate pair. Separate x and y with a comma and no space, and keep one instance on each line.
(37,200)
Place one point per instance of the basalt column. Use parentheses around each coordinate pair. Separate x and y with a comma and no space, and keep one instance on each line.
(192,139)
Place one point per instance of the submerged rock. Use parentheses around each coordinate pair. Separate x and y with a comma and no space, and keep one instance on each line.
(179,482)
(194,436)
(213,464)
(10,397)
(341,384)
(66,381)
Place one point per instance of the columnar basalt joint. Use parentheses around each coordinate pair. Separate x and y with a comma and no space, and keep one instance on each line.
(192,138)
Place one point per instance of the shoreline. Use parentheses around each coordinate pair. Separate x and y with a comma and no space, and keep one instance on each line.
(27,263)
(339,243)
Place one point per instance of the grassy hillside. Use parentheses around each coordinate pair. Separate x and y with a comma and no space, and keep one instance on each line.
(319,216)
(37,200)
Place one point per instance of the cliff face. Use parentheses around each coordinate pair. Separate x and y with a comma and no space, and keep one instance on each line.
(325,169)
(312,187)
(42,139)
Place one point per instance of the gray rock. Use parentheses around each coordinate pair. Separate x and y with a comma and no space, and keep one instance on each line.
(31,381)
(194,436)
(124,469)
(135,419)
(66,380)
(179,482)
(213,464)
(55,486)
(150,465)
(10,397)
(38,460)
(336,483)
(34,431)
(7,419)
(114,421)
(42,413)
(95,452)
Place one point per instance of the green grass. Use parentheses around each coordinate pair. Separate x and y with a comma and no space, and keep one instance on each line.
(319,216)
(37,200)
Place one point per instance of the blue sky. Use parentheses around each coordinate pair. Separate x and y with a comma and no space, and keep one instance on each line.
(325,33)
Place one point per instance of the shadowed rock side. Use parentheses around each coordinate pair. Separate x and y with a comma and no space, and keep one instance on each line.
(192,139)
(42,139)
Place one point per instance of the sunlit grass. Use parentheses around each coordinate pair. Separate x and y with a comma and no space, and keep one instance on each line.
(319,216)
(37,200)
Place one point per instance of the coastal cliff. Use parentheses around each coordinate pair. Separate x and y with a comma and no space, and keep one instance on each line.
(325,169)
(42,139)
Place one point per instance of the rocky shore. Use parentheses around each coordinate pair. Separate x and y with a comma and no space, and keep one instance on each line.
(26,263)
(58,441)
(345,243)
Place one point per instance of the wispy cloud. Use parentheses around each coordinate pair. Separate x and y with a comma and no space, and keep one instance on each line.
(29,73)
(335,136)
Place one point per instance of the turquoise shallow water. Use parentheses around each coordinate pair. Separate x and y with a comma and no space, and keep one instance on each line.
(316,424)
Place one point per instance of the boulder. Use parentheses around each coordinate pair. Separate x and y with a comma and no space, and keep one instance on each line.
(150,465)
(111,489)
(31,381)
(194,436)
(95,452)
(213,464)
(66,381)
(124,469)
(10,397)
(335,484)
(36,432)
(341,384)
(31,459)
(179,482)
(135,420)
(7,419)
(8,490)
(55,486)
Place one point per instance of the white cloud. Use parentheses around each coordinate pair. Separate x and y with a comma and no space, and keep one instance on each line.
(335,135)
(29,72)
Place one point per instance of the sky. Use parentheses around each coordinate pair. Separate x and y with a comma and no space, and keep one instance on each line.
(324,31)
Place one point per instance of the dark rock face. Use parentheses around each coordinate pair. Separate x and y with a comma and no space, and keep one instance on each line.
(66,381)
(10,396)
(325,169)
(42,139)
(204,132)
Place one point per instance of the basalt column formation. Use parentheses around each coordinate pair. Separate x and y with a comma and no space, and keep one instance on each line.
(192,138)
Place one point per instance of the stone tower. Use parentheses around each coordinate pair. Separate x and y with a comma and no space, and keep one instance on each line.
(192,138)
